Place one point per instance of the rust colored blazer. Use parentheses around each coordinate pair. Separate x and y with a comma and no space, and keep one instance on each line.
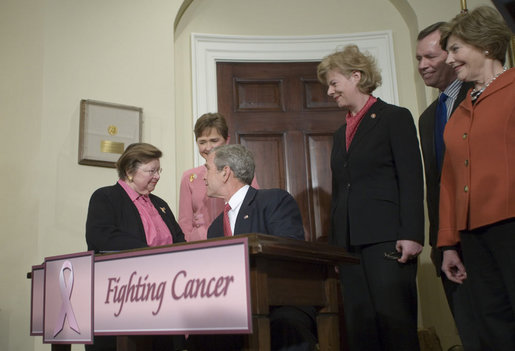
(478,175)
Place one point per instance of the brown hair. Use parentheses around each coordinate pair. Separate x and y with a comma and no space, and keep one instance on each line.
(135,155)
(429,29)
(348,60)
(483,28)
(211,120)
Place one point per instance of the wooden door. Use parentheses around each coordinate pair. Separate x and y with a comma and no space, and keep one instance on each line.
(283,115)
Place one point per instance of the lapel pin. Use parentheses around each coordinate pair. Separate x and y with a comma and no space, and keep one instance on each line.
(373,115)
(192,177)
(246,217)
(163,209)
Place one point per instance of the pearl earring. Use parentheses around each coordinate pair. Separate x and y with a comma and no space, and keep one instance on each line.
(487,53)
(130,178)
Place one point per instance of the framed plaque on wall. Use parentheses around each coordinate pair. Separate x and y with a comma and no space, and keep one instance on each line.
(106,129)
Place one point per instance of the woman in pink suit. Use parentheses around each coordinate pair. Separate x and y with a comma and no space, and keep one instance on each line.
(196,209)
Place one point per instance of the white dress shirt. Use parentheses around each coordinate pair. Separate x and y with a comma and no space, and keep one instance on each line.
(235,202)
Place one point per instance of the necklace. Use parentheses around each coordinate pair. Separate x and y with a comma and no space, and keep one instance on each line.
(474,94)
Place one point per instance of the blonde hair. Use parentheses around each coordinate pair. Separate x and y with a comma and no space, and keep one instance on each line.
(349,60)
(209,121)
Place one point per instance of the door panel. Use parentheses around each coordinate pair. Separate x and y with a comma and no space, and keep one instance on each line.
(318,160)
(283,115)
(272,168)
(258,95)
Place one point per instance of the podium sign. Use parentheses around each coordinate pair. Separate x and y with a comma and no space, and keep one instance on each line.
(178,289)
(204,287)
(68,303)
(195,288)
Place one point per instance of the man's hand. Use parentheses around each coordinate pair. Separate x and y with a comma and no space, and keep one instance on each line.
(453,267)
(410,249)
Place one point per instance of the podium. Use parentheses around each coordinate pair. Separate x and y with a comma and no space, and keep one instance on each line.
(281,271)
(293,272)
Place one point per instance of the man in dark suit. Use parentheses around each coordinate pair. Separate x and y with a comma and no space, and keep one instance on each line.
(270,211)
(437,74)
(230,170)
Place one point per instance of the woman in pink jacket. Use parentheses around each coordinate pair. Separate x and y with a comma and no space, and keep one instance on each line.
(477,194)
(196,209)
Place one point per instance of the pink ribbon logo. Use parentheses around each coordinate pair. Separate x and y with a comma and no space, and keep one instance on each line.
(66,306)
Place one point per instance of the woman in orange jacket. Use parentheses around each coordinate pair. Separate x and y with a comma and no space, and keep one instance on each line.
(477,194)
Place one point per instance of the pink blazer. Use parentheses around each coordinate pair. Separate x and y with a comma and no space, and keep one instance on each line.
(196,210)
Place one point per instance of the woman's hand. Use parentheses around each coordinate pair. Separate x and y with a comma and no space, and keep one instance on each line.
(453,267)
(410,249)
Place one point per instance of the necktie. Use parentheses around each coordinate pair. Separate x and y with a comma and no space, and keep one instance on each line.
(227,223)
(440,121)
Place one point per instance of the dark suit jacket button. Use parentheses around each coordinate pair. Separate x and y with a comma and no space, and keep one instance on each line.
(345,164)
(348,185)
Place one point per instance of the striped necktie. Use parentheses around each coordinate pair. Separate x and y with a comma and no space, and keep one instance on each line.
(227,223)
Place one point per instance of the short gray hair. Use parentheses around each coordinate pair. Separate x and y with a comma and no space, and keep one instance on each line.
(238,158)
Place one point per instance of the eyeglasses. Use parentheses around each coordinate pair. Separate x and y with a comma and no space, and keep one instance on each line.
(152,172)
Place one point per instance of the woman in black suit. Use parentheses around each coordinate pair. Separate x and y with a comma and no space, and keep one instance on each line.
(127,216)
(377,205)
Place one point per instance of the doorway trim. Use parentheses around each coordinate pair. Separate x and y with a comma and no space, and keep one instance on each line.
(208,49)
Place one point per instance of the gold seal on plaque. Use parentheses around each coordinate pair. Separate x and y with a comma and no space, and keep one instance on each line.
(112,130)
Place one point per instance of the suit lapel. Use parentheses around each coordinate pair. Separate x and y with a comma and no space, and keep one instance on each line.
(127,202)
(430,141)
(461,96)
(429,128)
(243,221)
(368,122)
(497,84)
(465,87)
(162,210)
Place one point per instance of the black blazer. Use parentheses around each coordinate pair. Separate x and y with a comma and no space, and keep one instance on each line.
(378,189)
(274,212)
(426,128)
(114,222)
(266,211)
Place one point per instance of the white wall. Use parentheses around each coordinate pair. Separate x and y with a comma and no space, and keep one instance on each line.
(56,52)
(21,100)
